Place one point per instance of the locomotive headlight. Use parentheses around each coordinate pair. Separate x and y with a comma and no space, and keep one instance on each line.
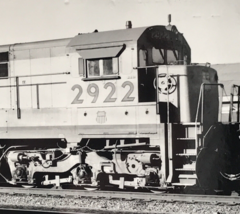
(13,156)
(17,157)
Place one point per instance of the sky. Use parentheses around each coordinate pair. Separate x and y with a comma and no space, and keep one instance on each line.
(211,27)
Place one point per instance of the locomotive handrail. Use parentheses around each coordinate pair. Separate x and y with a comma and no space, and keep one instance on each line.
(17,87)
(201,101)
(18,99)
(33,84)
(201,97)
(232,101)
(36,75)
(205,135)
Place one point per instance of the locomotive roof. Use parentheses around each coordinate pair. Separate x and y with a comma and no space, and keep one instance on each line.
(123,35)
(33,45)
(96,39)
(131,34)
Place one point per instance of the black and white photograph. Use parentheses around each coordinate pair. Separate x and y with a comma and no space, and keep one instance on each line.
(120,106)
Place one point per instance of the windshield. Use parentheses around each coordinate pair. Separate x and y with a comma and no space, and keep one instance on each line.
(163,46)
(154,56)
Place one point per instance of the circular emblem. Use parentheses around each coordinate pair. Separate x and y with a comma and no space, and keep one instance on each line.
(166,84)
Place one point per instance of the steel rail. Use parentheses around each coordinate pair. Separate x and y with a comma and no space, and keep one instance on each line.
(165,197)
(32,211)
(69,211)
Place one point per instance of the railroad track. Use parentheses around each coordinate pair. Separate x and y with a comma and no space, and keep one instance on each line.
(24,211)
(190,198)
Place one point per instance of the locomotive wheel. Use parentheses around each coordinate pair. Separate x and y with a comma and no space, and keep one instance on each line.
(91,188)
(28,186)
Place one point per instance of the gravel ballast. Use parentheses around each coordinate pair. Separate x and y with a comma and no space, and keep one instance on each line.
(110,205)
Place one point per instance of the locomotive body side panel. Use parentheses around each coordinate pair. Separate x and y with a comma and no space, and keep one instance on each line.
(69,106)
(40,91)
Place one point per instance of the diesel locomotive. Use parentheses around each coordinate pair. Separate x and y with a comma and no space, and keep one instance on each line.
(123,108)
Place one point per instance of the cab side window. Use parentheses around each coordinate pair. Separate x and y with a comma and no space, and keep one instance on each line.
(100,63)
(93,68)
(102,67)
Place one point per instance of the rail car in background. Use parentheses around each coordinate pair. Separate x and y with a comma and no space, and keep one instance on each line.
(121,108)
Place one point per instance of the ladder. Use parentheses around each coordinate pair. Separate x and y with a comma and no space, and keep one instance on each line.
(185,150)
(186,146)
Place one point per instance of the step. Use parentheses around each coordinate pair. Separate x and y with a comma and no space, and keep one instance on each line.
(192,165)
(187,179)
(188,123)
(185,169)
(186,138)
(181,184)
(191,123)
(188,176)
(188,152)
(188,167)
